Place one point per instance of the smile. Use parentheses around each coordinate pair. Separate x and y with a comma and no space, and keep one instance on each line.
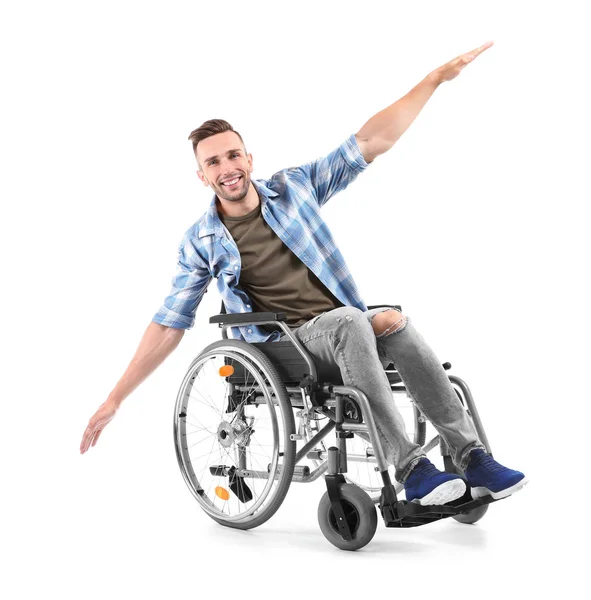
(231,182)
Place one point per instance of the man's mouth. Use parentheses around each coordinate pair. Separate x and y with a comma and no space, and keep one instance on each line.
(230,183)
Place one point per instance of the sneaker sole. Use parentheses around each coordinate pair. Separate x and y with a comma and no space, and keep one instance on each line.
(446,492)
(479,492)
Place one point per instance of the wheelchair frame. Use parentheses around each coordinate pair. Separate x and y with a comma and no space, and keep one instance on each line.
(338,402)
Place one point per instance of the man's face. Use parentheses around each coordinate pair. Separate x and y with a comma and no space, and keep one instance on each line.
(225,166)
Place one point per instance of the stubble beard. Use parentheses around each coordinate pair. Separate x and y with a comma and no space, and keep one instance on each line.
(238,195)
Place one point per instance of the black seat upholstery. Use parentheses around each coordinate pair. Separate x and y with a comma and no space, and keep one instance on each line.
(292,368)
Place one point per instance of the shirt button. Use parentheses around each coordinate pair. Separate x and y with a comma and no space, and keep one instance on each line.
(248,306)
(250,331)
(235,268)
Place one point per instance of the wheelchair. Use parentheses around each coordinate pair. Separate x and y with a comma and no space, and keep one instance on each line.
(244,408)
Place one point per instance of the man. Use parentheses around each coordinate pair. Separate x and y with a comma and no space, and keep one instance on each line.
(270,250)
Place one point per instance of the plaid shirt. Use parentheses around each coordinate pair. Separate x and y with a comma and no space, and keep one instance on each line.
(290,204)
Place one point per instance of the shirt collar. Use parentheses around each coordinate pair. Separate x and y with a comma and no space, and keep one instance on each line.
(212,223)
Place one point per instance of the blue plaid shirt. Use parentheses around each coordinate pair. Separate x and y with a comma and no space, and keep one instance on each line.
(290,204)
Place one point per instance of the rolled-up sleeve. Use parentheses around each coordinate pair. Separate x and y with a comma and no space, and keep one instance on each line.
(334,172)
(189,284)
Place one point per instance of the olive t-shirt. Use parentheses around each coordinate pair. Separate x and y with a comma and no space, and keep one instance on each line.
(274,278)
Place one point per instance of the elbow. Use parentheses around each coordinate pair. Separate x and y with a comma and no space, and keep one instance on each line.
(372,147)
(175,334)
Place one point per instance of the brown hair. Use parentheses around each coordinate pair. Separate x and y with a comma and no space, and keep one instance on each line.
(209,128)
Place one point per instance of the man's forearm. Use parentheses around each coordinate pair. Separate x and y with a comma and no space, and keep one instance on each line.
(382,131)
(157,343)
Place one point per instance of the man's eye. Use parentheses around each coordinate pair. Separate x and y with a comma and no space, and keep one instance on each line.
(211,162)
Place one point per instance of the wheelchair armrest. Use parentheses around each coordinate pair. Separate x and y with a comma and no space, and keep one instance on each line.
(257,317)
(246,318)
(396,306)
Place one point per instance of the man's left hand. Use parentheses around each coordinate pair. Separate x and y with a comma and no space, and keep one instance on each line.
(452,69)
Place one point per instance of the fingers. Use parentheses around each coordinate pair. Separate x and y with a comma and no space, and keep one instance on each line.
(86,439)
(479,50)
(470,56)
(96,437)
(464,59)
(91,435)
(97,423)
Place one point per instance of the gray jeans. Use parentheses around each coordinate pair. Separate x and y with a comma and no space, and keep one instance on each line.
(343,340)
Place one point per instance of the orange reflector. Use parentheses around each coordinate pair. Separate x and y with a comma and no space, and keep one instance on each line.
(226,370)
(222,493)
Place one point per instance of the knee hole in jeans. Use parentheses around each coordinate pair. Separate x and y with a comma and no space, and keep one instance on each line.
(393,321)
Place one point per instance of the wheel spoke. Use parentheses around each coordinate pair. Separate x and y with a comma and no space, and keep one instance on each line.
(248,416)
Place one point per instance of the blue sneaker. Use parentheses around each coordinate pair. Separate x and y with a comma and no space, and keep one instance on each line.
(426,484)
(487,477)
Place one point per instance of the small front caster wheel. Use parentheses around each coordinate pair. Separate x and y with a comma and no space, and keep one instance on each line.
(472,515)
(360,513)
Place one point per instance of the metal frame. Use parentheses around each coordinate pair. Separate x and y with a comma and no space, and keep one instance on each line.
(334,460)
(338,391)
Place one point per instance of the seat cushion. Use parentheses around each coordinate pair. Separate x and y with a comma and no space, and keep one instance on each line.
(290,364)
(292,367)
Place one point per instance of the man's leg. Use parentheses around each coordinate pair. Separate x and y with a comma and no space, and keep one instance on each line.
(343,340)
(429,386)
(426,381)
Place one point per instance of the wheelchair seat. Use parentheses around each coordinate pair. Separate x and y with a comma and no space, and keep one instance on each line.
(292,367)
(290,364)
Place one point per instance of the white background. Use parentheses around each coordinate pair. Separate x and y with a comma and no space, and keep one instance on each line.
(475,222)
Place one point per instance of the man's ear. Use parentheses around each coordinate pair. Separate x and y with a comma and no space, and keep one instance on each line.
(202,178)
(249,157)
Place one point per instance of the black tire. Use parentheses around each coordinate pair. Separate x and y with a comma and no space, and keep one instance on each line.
(360,513)
(259,363)
(471,516)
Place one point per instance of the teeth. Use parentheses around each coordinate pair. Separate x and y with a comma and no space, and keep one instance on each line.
(231,181)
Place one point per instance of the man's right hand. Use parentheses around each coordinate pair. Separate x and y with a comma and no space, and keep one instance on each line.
(157,343)
(97,423)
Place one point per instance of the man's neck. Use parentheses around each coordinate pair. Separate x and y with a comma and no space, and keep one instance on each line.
(230,208)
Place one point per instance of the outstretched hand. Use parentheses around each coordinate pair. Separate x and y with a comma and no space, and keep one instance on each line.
(452,69)
(97,423)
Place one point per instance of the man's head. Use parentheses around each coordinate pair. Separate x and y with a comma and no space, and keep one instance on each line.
(222,159)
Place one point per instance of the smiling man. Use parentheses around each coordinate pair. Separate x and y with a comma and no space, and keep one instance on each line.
(221,156)
(270,251)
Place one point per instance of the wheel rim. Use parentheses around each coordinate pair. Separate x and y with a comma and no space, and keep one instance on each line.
(351,516)
(229,435)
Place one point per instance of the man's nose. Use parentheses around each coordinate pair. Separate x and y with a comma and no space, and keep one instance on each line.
(227,169)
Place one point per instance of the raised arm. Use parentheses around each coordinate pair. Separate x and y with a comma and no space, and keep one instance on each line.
(384,129)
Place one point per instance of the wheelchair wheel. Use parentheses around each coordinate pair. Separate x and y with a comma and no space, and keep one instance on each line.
(472,515)
(232,426)
(360,513)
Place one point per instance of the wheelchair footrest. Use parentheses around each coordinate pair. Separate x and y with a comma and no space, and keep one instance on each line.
(412,514)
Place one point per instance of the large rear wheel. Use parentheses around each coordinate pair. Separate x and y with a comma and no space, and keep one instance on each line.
(232,425)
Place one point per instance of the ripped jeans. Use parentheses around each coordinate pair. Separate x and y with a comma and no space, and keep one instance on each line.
(343,340)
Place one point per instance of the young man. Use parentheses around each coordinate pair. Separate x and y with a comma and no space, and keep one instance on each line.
(268,247)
